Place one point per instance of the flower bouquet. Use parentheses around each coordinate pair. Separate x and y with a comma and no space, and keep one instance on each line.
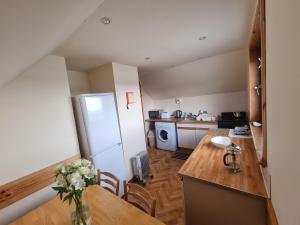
(72,179)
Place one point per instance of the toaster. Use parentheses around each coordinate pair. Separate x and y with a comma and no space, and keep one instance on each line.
(165,115)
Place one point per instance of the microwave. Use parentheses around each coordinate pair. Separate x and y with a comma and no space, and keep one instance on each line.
(154,114)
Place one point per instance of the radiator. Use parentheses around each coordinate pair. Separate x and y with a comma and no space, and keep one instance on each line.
(140,165)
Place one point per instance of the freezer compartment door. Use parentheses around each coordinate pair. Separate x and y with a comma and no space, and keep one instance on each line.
(112,160)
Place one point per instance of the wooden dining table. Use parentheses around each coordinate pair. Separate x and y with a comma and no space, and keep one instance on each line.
(106,209)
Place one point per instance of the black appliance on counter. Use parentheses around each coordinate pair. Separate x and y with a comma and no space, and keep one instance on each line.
(154,114)
(231,120)
(178,114)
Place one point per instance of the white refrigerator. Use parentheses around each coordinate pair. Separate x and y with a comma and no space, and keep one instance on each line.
(99,133)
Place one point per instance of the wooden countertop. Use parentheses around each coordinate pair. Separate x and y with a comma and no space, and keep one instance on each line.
(206,164)
(106,209)
(176,120)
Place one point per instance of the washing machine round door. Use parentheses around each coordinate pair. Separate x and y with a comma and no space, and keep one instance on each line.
(163,135)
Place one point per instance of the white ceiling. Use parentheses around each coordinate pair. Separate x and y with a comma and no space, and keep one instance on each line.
(165,30)
(32,29)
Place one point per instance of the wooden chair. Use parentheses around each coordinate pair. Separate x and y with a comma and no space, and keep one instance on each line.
(139,197)
(111,180)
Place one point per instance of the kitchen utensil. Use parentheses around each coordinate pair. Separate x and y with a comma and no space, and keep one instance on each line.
(256,124)
(231,159)
(237,114)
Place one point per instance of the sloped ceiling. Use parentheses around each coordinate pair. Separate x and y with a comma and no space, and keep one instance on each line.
(30,29)
(168,31)
(218,74)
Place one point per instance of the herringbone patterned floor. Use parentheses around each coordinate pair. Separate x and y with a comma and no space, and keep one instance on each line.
(166,186)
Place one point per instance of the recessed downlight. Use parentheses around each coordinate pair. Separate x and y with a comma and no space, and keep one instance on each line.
(106,20)
(201,38)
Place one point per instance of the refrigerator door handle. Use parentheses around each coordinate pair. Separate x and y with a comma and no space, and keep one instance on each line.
(106,149)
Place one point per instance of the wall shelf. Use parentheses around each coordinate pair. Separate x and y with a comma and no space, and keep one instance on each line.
(257,136)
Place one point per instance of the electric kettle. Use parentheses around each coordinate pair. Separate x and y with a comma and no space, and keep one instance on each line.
(178,113)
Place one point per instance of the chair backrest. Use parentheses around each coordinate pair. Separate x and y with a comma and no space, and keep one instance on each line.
(139,197)
(111,181)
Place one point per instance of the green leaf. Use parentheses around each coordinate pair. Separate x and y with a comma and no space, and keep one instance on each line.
(68,197)
(58,188)
(60,195)
(90,182)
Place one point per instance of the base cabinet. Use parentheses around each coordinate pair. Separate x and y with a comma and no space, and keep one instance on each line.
(200,133)
(208,204)
(186,138)
(189,135)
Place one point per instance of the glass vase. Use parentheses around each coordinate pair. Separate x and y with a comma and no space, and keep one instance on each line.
(80,211)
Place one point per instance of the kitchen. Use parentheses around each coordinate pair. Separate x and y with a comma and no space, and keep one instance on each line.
(176,104)
(191,129)
(186,119)
(192,137)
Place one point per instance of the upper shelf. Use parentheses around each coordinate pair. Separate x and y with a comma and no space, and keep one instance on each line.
(257,136)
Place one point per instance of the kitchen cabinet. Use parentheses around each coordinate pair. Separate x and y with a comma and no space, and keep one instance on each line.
(189,135)
(186,137)
(200,133)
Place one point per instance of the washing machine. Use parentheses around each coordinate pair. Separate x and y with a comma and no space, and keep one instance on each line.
(166,136)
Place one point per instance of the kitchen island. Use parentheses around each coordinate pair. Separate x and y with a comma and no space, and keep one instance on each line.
(215,195)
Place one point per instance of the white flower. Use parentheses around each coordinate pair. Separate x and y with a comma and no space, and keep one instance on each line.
(61,180)
(92,173)
(57,169)
(63,170)
(76,163)
(84,171)
(86,162)
(76,181)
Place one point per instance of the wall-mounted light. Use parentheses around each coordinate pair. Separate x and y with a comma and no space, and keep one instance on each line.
(178,102)
(106,20)
(259,65)
(257,88)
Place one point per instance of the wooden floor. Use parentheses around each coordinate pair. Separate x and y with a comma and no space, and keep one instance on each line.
(166,186)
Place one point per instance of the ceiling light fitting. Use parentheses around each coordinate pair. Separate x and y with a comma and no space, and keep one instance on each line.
(202,38)
(106,20)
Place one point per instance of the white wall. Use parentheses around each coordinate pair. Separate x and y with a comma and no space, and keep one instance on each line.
(215,103)
(37,127)
(78,82)
(118,78)
(101,79)
(283,79)
(218,74)
(148,103)
(131,120)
